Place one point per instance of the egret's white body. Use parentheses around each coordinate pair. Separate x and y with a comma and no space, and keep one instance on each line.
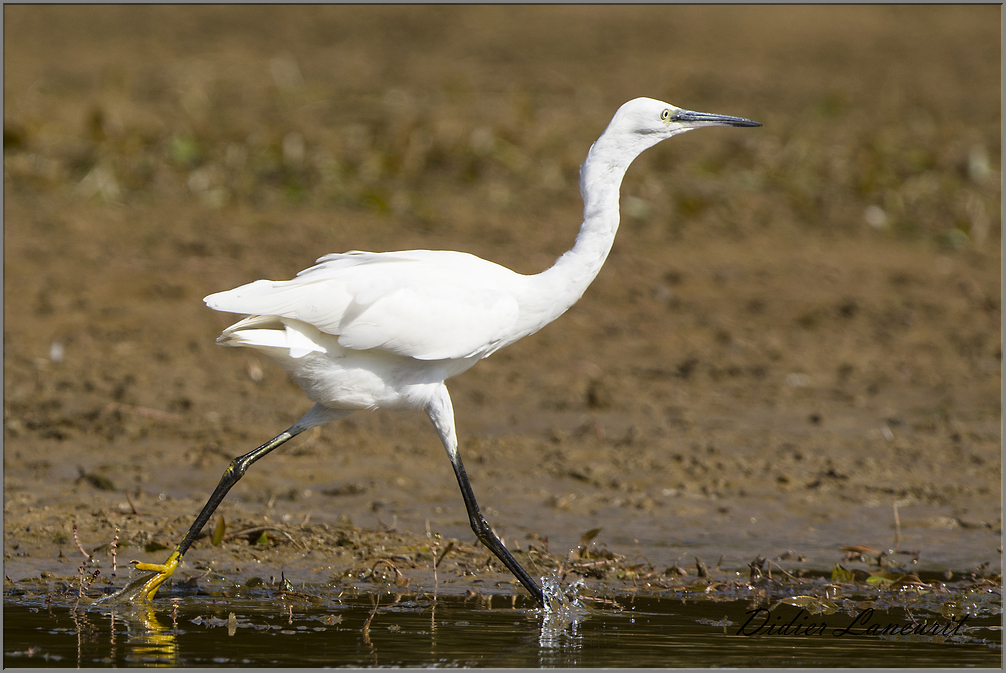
(380,330)
(364,330)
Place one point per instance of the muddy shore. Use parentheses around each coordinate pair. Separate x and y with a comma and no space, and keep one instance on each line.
(797,334)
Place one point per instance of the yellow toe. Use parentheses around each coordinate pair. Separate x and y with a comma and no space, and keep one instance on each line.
(166,568)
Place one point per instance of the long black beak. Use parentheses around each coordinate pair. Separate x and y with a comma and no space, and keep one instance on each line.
(709,119)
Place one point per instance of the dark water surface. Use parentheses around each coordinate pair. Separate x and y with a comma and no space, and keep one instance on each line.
(420,630)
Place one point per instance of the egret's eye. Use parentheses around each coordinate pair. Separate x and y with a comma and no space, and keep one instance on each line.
(666,115)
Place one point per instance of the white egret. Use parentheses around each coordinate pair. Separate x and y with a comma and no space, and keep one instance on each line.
(364,330)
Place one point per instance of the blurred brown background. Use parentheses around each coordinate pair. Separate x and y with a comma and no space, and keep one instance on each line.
(798,325)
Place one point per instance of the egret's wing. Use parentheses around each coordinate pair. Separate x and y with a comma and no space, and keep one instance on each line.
(431,322)
(320,295)
(422,304)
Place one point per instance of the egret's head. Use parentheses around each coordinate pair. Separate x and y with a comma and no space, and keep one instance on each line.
(637,125)
(659,120)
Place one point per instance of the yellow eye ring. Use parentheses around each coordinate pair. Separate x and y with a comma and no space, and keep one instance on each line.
(666,115)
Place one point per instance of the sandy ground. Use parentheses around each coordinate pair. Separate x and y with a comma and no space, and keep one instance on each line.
(799,326)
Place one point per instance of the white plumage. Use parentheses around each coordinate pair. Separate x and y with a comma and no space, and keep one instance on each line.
(423,304)
(374,330)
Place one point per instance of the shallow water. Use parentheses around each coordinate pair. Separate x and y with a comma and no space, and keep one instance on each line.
(493,631)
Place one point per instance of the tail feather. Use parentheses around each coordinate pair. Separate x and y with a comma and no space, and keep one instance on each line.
(269,332)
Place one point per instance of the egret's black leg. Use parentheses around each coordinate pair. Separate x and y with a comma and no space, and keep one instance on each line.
(144,588)
(485,534)
(441,412)
(231,476)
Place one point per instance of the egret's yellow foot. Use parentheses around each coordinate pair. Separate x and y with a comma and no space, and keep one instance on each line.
(143,588)
(163,572)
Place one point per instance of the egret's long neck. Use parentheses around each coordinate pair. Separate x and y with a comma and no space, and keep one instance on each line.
(555,290)
(600,178)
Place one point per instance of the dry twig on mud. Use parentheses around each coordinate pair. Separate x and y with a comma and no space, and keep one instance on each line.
(259,529)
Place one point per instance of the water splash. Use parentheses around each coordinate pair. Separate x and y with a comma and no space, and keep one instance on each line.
(562,601)
(563,612)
